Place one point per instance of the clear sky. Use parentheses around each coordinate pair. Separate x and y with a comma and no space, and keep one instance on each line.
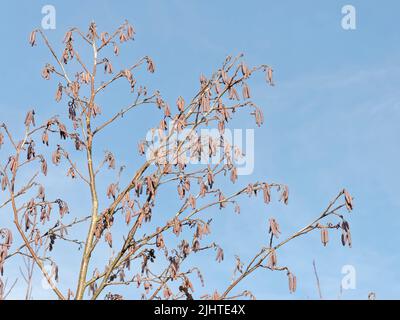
(331,121)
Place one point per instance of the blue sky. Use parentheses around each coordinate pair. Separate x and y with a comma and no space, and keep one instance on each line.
(331,121)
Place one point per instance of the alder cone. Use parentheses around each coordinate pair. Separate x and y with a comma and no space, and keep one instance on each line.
(292,282)
(324,236)
(32,38)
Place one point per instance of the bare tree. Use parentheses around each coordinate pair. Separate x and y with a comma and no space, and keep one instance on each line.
(149,256)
